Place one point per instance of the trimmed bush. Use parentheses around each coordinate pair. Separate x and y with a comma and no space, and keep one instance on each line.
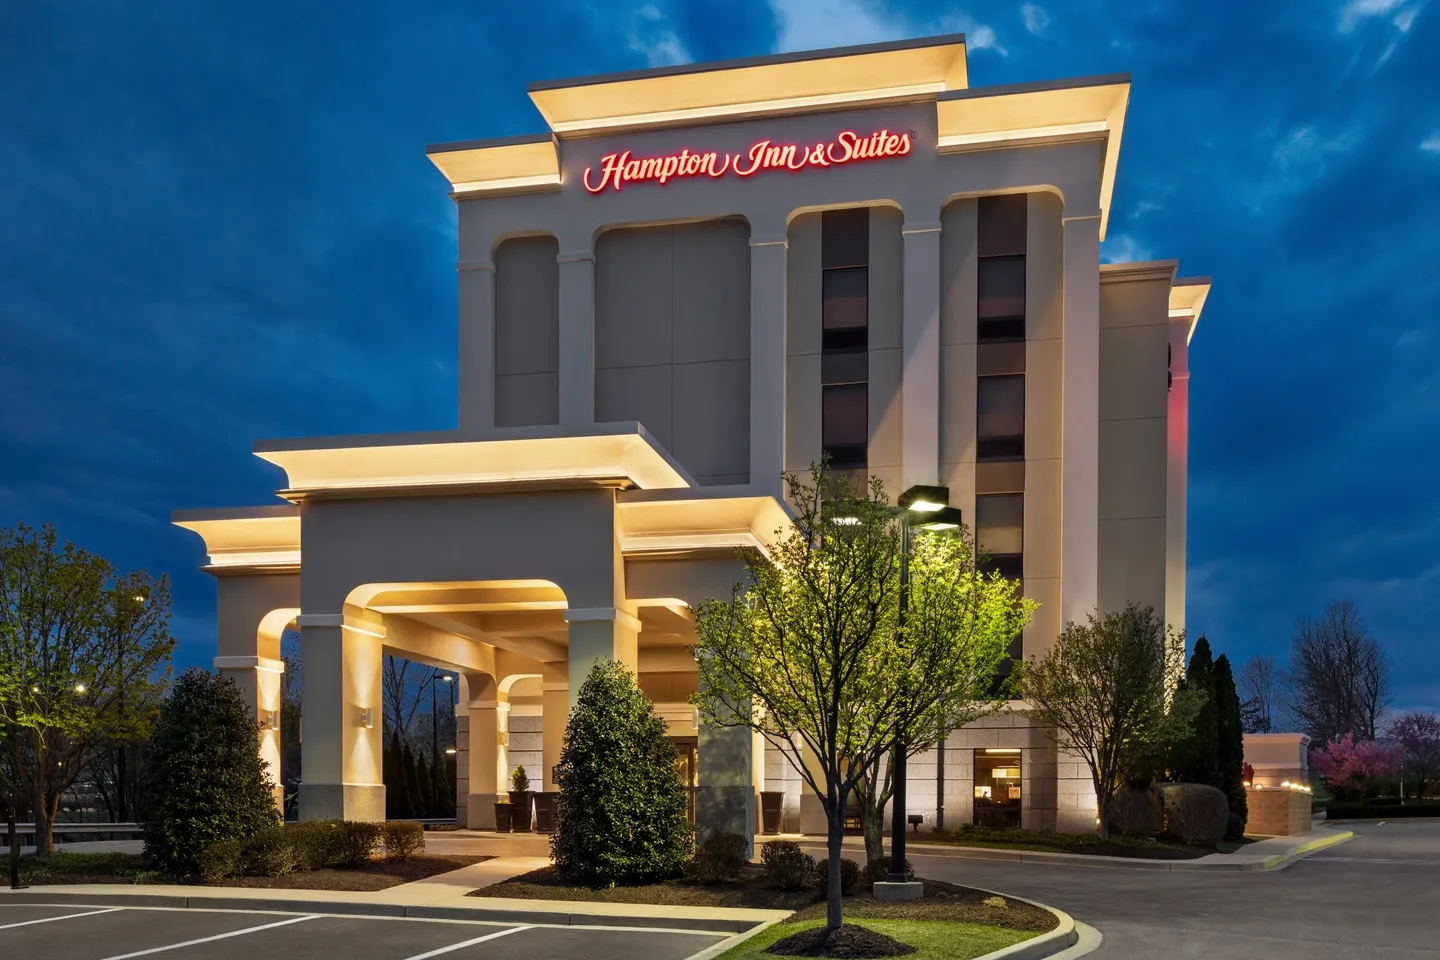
(402,839)
(849,875)
(620,817)
(718,859)
(1132,813)
(205,782)
(786,865)
(878,871)
(1195,812)
(269,853)
(221,861)
(356,842)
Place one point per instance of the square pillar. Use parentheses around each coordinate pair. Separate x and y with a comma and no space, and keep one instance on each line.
(725,798)
(340,759)
(596,633)
(487,760)
(920,356)
(1177,444)
(1080,421)
(555,714)
(767,361)
(577,336)
(259,681)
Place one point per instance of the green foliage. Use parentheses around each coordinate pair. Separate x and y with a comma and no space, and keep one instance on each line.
(397,795)
(1196,756)
(1230,748)
(718,859)
(621,814)
(1195,812)
(402,839)
(206,782)
(84,661)
(1102,690)
(786,866)
(1133,813)
(849,876)
(520,780)
(877,870)
(221,861)
(311,845)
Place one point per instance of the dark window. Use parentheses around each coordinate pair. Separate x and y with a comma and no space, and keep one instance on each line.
(1001,227)
(1002,287)
(848,367)
(845,424)
(1001,329)
(1000,426)
(845,295)
(1000,524)
(845,238)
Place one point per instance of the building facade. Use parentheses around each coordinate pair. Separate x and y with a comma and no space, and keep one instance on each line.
(697,279)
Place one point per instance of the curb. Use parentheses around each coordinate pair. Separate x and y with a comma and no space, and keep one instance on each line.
(553,918)
(1062,938)
(1282,860)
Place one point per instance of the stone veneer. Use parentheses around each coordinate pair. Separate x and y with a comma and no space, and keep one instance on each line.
(1277,813)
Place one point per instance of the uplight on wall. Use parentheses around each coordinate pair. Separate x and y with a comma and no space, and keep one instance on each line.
(367,718)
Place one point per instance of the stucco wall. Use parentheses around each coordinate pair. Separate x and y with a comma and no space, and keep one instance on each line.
(527,332)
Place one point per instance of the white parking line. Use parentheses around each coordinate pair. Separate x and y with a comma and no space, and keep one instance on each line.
(68,916)
(218,936)
(461,946)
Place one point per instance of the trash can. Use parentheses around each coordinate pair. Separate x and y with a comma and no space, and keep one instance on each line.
(772,805)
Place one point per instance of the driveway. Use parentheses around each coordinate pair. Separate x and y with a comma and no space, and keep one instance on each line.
(1376,897)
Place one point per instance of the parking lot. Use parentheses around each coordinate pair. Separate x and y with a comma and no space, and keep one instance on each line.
(36,931)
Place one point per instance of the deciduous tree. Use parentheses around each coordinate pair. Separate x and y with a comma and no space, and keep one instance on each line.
(1258,686)
(1418,737)
(1350,766)
(1339,678)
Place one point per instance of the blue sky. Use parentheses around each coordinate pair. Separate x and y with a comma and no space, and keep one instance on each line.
(217,224)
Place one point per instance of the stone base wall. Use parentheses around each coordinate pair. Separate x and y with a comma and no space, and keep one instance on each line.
(526,748)
(1277,813)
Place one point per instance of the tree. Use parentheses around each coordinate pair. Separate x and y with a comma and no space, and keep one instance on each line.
(402,691)
(1350,766)
(621,816)
(290,682)
(1230,748)
(206,781)
(84,660)
(1256,684)
(1196,755)
(1339,677)
(414,794)
(1104,693)
(1418,737)
(808,651)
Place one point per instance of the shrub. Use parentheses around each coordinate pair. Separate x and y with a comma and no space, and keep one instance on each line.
(718,859)
(221,861)
(1195,812)
(1132,813)
(786,865)
(269,853)
(621,814)
(205,782)
(355,842)
(402,839)
(849,875)
(878,870)
(317,843)
(519,780)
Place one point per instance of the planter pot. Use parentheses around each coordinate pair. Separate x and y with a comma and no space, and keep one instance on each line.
(502,817)
(520,810)
(772,802)
(545,812)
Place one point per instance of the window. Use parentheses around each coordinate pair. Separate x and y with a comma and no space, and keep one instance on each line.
(845,337)
(1002,224)
(1002,287)
(845,424)
(845,308)
(1000,427)
(1000,525)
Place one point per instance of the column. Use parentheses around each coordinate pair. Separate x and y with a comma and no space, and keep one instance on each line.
(488,716)
(725,795)
(920,352)
(596,633)
(577,336)
(475,357)
(259,681)
(767,361)
(555,714)
(1177,428)
(340,772)
(812,809)
(1080,421)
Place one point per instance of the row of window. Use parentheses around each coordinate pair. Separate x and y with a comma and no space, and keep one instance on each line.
(845,337)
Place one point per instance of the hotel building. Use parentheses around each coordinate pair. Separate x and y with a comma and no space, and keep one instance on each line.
(698,278)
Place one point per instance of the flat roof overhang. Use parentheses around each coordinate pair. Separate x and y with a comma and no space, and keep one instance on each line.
(1187,301)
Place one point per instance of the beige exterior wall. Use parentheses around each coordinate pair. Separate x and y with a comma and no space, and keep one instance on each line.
(958,292)
(527,332)
(1045,330)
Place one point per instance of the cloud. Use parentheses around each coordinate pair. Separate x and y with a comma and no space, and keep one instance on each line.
(1431,144)
(1357,12)
(815,24)
(1035,17)
(651,35)
(1302,157)
(1123,248)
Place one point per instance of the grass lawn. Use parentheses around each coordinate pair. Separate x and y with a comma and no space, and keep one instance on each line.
(1045,841)
(67,868)
(933,939)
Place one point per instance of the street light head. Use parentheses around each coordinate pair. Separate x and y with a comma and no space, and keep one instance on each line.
(79,688)
(946,518)
(139,598)
(925,499)
(446,677)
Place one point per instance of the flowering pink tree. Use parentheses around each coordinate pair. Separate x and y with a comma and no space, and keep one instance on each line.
(1349,766)
(1418,737)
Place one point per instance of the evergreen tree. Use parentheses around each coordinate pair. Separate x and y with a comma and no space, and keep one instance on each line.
(621,815)
(1230,752)
(443,786)
(397,801)
(415,802)
(426,780)
(1195,757)
(205,781)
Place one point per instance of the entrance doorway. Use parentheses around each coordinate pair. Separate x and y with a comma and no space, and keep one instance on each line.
(997,788)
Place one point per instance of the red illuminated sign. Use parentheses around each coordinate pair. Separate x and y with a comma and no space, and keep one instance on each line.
(618,169)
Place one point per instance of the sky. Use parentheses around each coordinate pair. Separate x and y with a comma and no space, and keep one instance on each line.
(217,224)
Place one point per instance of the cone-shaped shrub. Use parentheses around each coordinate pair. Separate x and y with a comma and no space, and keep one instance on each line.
(205,782)
(621,814)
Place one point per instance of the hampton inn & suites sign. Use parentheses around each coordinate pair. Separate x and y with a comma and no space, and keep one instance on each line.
(616,170)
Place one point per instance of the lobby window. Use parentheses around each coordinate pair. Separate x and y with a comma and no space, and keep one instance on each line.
(997,788)
(845,340)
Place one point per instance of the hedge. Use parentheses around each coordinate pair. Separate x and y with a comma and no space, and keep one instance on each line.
(1380,811)
(312,845)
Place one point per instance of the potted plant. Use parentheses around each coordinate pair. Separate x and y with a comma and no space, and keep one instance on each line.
(520,798)
(502,815)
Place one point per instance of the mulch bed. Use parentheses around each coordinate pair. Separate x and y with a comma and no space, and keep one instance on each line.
(848,941)
(1124,848)
(942,901)
(376,875)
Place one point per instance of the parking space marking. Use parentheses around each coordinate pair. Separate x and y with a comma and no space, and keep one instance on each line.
(460,946)
(218,936)
(68,916)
